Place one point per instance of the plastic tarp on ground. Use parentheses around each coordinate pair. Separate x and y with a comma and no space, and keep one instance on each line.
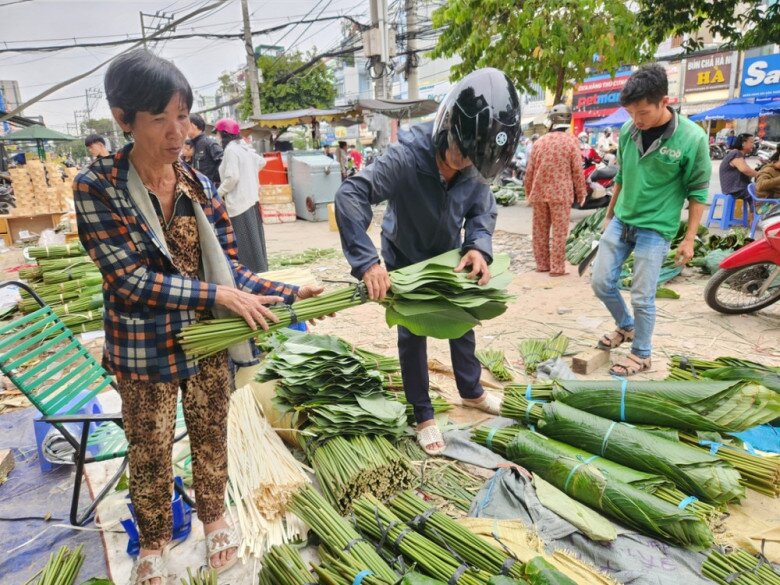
(615,120)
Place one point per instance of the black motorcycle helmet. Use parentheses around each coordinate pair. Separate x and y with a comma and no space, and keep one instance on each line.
(481,115)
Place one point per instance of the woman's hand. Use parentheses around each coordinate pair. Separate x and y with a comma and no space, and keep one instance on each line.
(249,306)
(307,292)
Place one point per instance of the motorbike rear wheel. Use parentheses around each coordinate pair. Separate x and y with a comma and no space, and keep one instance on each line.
(734,291)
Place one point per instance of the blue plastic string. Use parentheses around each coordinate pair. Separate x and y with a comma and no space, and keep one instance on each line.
(749,448)
(591,458)
(571,475)
(685,502)
(490,436)
(529,407)
(606,438)
(360,576)
(623,388)
(528,391)
(713,445)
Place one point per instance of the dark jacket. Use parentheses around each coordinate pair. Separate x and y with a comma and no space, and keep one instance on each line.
(424,216)
(206,156)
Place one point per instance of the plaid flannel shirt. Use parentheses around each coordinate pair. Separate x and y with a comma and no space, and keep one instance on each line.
(147,302)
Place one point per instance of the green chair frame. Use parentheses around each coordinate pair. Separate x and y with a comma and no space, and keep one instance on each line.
(50,366)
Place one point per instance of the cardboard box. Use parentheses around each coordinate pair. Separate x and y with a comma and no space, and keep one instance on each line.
(278,212)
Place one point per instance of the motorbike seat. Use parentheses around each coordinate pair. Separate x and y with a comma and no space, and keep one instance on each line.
(604,173)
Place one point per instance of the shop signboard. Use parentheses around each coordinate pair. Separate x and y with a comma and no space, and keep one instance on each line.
(673,77)
(761,77)
(707,73)
(598,96)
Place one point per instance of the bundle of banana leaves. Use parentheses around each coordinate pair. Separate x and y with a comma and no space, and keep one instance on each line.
(498,440)
(692,470)
(283,565)
(320,376)
(739,568)
(509,194)
(724,368)
(377,521)
(536,351)
(580,240)
(428,298)
(308,256)
(495,362)
(349,468)
(703,406)
(599,489)
(338,535)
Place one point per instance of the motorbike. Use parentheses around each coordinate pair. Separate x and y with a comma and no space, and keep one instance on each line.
(717,151)
(598,172)
(749,279)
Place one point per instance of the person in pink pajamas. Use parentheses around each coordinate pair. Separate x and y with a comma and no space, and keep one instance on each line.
(553,180)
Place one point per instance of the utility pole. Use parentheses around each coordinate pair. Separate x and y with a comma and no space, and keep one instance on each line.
(158,20)
(251,62)
(412,82)
(379,38)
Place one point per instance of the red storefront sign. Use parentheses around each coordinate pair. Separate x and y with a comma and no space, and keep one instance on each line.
(597,98)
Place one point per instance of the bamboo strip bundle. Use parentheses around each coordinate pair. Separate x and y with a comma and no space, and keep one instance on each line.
(58,251)
(73,272)
(29,305)
(283,565)
(345,569)
(495,362)
(350,467)
(739,568)
(261,482)
(536,351)
(43,290)
(80,305)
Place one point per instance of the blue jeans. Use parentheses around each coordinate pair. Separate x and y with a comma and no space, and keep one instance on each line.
(650,249)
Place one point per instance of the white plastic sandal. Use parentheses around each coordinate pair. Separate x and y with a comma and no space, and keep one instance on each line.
(491,403)
(220,540)
(430,436)
(147,568)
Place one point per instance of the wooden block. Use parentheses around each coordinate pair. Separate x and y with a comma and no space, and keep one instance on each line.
(587,362)
(6,464)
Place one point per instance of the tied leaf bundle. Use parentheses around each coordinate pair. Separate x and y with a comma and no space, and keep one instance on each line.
(725,368)
(495,362)
(498,440)
(440,406)
(536,351)
(619,500)
(428,298)
(580,240)
(705,406)
(739,568)
(283,565)
(349,468)
(345,569)
(378,522)
(58,251)
(321,376)
(692,470)
(444,531)
(337,534)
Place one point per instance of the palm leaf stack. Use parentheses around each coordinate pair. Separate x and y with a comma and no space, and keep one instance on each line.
(725,368)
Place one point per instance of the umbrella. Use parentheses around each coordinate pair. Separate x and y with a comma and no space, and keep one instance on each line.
(397,109)
(298,117)
(770,108)
(731,110)
(615,120)
(38,134)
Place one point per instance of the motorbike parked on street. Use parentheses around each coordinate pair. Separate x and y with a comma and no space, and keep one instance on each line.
(749,279)
(597,172)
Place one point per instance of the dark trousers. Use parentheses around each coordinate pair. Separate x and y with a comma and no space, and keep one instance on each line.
(413,353)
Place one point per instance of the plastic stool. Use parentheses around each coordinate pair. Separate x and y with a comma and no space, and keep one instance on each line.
(727,219)
(42,427)
(182,521)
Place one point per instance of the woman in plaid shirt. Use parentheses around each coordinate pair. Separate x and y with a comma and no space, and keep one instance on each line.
(163,242)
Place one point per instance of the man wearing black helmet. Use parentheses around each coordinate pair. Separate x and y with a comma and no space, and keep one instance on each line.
(435,184)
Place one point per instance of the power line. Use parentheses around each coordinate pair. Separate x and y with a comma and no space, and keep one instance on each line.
(264,31)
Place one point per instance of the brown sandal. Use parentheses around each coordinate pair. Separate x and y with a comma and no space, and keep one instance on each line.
(630,365)
(615,339)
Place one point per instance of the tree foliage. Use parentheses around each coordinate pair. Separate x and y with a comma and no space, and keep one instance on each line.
(550,42)
(740,23)
(102,126)
(312,88)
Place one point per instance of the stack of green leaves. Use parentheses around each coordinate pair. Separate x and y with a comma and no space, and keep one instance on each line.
(739,568)
(321,376)
(621,501)
(705,405)
(283,565)
(444,481)
(692,470)
(495,361)
(428,298)
(536,351)
(579,243)
(350,467)
(308,256)
(377,521)
(725,368)
(444,531)
(338,535)
(58,251)
(498,440)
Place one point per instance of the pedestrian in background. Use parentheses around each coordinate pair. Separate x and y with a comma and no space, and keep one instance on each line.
(187,151)
(96,146)
(240,188)
(207,153)
(664,161)
(553,181)
(734,173)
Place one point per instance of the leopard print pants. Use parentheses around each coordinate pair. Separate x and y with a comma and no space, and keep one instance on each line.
(149,414)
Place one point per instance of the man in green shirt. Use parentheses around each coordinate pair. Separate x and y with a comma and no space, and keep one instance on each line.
(664,160)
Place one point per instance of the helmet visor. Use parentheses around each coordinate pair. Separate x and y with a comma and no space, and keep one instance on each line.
(487,142)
